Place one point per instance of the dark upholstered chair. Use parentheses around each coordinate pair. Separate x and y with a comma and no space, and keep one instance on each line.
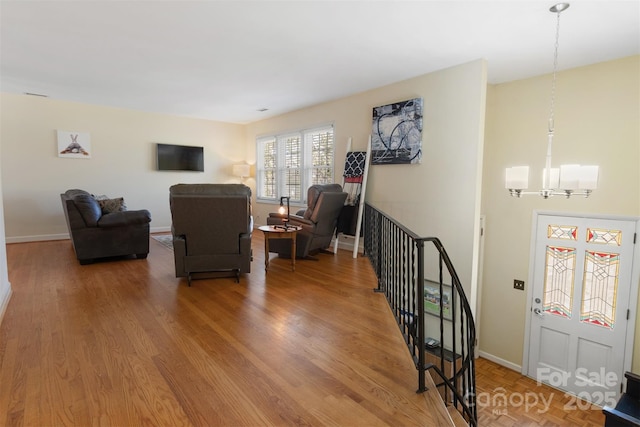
(318,221)
(211,226)
(96,234)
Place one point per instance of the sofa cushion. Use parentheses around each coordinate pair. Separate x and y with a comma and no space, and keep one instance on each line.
(75,192)
(89,209)
(112,205)
(313,193)
(124,218)
(312,197)
(233,190)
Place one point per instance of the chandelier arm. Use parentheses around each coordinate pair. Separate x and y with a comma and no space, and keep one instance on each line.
(549,193)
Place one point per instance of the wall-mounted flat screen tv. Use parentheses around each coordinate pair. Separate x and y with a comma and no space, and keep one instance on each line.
(180,158)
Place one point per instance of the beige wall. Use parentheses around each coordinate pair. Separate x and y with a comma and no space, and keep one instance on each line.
(122,162)
(430,198)
(597,122)
(439,197)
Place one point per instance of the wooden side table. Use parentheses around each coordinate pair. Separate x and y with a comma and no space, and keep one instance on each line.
(272,232)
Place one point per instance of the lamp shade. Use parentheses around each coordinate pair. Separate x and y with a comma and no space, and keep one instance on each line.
(588,178)
(569,177)
(517,178)
(241,170)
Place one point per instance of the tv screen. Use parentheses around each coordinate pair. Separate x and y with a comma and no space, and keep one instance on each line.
(180,158)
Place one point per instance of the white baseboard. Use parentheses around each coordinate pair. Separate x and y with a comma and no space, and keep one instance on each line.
(159,229)
(65,236)
(500,361)
(37,238)
(346,242)
(4,302)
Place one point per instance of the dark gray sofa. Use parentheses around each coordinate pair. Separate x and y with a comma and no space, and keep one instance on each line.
(211,227)
(96,235)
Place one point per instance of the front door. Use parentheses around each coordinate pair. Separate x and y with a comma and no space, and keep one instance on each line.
(581,295)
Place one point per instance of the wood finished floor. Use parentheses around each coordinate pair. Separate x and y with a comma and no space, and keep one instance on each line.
(508,399)
(125,343)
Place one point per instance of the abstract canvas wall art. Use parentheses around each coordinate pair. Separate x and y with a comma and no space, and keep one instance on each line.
(396,134)
(74,144)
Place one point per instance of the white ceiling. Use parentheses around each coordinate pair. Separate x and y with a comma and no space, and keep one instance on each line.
(224,60)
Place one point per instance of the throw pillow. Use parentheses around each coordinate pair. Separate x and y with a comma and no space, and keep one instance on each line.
(112,205)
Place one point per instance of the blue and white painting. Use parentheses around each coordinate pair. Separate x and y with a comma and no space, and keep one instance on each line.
(396,134)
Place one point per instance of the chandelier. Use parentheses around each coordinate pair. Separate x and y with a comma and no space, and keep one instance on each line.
(567,180)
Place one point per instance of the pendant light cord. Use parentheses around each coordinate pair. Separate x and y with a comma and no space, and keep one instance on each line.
(553,83)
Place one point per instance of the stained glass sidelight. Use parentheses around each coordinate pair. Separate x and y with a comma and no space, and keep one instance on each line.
(564,232)
(604,236)
(599,289)
(559,277)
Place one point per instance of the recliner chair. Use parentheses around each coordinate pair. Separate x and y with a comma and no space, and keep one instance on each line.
(211,227)
(318,221)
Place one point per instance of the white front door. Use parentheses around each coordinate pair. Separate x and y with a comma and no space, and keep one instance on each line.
(580,300)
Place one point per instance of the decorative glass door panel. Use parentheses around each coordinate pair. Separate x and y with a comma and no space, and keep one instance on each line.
(600,288)
(563,232)
(559,278)
(604,236)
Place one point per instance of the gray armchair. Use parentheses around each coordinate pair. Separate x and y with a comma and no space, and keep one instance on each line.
(98,233)
(211,227)
(318,221)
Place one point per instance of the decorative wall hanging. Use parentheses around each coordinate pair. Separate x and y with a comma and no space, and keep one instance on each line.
(396,134)
(75,145)
(432,299)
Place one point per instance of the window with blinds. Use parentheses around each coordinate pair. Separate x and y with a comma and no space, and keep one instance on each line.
(288,164)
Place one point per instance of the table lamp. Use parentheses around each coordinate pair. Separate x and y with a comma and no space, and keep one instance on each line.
(281,211)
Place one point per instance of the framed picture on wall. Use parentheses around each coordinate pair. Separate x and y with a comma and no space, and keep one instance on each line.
(432,299)
(396,133)
(76,145)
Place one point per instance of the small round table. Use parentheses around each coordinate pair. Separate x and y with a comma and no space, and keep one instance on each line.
(279,232)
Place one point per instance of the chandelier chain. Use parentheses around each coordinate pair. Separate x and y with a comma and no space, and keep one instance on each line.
(553,83)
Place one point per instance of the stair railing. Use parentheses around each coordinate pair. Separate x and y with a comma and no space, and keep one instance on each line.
(406,264)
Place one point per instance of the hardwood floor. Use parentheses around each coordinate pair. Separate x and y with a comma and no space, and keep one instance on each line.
(125,343)
(508,399)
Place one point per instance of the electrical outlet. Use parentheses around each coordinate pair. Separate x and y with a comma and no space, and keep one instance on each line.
(518,284)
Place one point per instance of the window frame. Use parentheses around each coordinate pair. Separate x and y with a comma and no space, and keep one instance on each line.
(306,167)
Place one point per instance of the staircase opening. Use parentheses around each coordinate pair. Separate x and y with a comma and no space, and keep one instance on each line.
(428,301)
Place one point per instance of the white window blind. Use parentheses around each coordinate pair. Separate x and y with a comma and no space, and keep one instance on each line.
(290,163)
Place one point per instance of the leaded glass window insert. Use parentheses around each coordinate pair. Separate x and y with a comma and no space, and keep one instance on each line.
(599,289)
(563,232)
(560,266)
(604,236)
